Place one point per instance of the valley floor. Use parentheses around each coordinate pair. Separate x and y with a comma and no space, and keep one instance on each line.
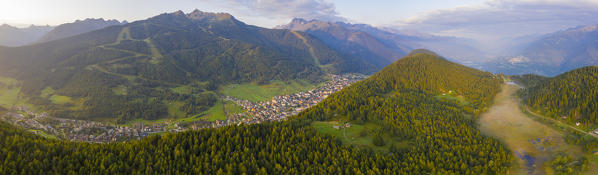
(533,143)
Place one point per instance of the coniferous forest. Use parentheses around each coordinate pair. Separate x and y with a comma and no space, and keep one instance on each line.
(571,96)
(403,98)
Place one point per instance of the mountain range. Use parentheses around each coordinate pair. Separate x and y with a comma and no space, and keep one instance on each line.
(77,27)
(123,72)
(384,45)
(13,36)
(552,54)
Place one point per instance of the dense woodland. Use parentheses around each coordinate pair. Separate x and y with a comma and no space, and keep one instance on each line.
(127,72)
(445,141)
(528,80)
(572,96)
(403,98)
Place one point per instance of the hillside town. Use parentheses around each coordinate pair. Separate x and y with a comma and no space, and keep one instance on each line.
(277,109)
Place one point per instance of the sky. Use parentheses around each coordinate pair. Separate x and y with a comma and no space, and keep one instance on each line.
(488,20)
(265,13)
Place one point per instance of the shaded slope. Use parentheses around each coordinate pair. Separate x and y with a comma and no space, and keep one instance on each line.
(13,36)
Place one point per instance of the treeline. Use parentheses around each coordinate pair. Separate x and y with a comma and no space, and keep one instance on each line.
(572,96)
(255,149)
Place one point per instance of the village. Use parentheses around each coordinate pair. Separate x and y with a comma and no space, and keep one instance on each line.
(80,130)
(277,109)
(281,107)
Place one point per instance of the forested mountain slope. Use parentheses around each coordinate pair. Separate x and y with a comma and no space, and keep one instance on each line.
(420,101)
(572,96)
(443,140)
(128,71)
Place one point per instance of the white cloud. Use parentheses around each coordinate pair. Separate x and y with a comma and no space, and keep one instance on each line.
(506,18)
(496,24)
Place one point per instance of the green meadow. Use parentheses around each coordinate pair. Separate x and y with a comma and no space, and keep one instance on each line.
(353,135)
(256,93)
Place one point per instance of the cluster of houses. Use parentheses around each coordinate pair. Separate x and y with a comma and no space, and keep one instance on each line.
(346,125)
(80,130)
(110,133)
(280,107)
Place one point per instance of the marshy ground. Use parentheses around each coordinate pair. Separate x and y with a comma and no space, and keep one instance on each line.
(533,143)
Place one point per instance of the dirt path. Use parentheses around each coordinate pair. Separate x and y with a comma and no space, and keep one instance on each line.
(532,143)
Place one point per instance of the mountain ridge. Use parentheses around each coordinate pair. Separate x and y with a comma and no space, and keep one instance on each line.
(148,58)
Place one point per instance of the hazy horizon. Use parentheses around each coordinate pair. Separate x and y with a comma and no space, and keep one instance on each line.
(492,23)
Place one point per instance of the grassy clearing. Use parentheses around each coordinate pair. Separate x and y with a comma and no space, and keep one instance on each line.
(233,108)
(120,90)
(50,93)
(174,109)
(9,97)
(216,112)
(9,93)
(124,34)
(453,96)
(183,89)
(352,135)
(155,52)
(47,92)
(43,134)
(256,93)
(59,99)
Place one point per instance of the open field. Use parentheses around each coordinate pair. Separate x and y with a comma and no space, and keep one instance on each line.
(460,99)
(216,112)
(9,92)
(533,143)
(352,135)
(174,109)
(256,93)
(233,108)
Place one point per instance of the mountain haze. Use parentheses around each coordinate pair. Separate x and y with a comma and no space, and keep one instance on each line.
(346,39)
(554,53)
(13,36)
(77,27)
